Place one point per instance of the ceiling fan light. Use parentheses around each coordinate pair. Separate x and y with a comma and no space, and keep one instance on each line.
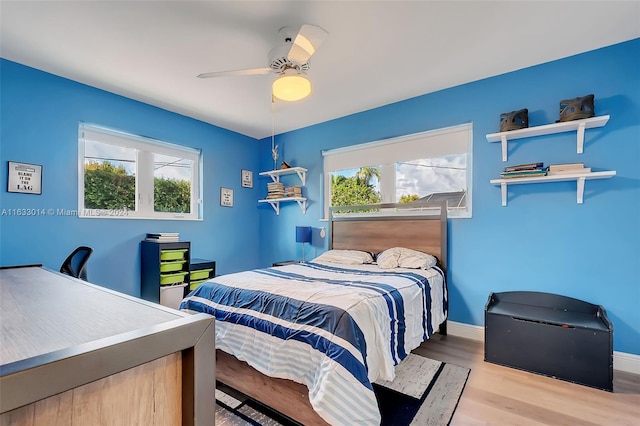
(291,87)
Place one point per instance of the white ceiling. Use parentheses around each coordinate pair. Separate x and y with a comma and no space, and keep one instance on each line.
(377,52)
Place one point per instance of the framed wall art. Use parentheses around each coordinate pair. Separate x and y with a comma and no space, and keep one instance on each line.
(25,178)
(247,179)
(226,197)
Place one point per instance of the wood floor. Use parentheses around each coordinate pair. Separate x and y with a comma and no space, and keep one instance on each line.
(496,395)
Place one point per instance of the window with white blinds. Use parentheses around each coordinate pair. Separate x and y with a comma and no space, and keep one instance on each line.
(424,168)
(128,176)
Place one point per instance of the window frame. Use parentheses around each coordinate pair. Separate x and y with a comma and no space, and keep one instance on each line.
(384,145)
(144,180)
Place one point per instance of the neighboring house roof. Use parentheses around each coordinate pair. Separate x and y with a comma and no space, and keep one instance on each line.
(453,199)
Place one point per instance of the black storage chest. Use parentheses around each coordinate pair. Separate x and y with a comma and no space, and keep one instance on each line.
(549,334)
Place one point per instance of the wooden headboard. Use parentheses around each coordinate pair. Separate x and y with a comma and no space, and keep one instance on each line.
(376,233)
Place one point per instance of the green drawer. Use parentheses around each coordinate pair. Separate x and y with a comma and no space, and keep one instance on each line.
(195,284)
(178,254)
(172,266)
(166,279)
(200,274)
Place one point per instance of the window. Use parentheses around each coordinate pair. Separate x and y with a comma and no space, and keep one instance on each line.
(127,176)
(424,168)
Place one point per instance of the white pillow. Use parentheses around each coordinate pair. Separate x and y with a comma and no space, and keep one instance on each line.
(401,257)
(345,257)
(388,259)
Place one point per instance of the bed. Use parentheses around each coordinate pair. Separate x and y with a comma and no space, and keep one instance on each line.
(309,339)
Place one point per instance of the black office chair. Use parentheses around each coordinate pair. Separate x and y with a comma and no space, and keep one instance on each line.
(75,264)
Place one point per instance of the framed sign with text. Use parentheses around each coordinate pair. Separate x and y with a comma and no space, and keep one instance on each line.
(226,197)
(25,178)
(247,179)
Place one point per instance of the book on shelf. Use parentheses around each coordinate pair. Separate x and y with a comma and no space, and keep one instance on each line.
(568,168)
(531,173)
(524,170)
(163,237)
(524,167)
(570,171)
(275,190)
(293,191)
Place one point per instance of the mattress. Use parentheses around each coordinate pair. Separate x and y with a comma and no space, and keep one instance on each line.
(334,328)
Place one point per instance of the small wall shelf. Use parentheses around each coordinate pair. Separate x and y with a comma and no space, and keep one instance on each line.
(567,126)
(275,174)
(578,177)
(275,177)
(275,203)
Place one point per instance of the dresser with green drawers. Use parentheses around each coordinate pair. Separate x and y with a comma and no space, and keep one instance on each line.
(168,273)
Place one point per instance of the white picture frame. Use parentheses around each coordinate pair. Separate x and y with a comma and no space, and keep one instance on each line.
(247,179)
(24,178)
(226,197)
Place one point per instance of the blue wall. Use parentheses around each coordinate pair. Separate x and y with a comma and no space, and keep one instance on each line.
(39,124)
(543,240)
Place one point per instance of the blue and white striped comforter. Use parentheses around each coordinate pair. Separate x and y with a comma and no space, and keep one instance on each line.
(334,328)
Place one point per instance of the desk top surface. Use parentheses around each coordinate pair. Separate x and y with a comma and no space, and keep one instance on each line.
(42,311)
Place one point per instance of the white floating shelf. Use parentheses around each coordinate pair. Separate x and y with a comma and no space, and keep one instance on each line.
(549,129)
(578,177)
(275,174)
(275,203)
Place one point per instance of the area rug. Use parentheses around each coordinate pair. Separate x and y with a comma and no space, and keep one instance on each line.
(424,392)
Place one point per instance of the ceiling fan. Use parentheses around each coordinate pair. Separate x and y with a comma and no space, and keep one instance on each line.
(289,60)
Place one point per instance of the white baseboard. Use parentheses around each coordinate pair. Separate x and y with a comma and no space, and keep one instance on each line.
(622,361)
(459,329)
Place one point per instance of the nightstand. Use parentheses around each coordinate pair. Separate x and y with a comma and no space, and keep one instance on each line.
(286,262)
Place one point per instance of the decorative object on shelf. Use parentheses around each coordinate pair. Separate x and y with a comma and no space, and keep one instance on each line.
(284,165)
(24,178)
(524,170)
(577,108)
(247,179)
(303,235)
(274,154)
(226,197)
(274,146)
(514,120)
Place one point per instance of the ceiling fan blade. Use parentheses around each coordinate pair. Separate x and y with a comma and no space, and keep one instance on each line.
(305,43)
(254,71)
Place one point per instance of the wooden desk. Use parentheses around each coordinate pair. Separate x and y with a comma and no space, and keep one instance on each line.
(75,353)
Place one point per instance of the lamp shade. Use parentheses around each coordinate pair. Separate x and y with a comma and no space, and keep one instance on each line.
(291,87)
(303,234)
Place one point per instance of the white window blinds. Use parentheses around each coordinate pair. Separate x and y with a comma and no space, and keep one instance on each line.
(435,143)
